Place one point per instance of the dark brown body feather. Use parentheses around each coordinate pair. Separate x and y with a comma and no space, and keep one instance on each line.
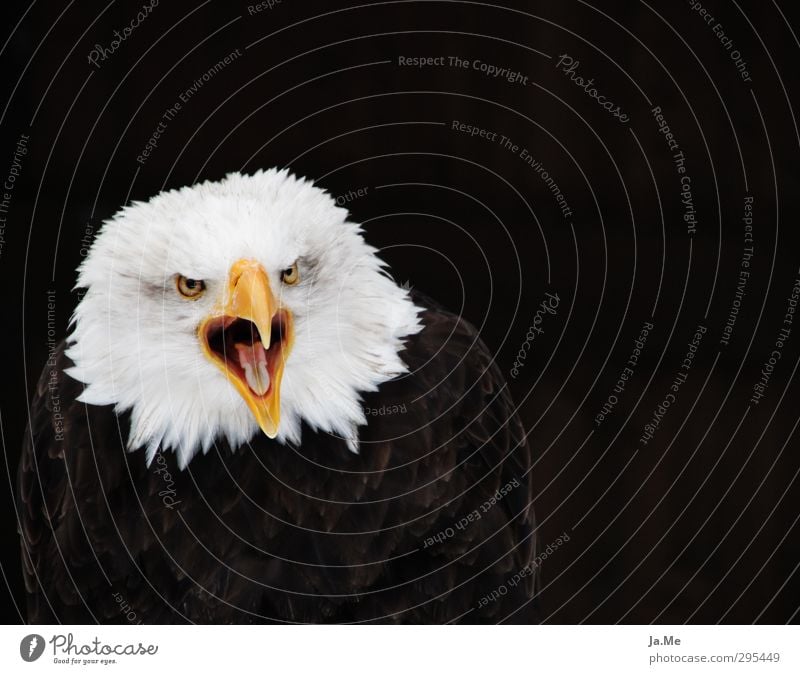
(275,533)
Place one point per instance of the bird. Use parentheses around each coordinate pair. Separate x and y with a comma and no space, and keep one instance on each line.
(250,421)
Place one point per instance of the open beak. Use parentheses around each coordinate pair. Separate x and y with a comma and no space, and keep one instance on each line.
(249,338)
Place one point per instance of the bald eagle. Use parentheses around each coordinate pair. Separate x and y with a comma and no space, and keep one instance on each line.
(257,424)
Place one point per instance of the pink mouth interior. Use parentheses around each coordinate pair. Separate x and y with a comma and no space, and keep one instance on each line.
(251,354)
(236,343)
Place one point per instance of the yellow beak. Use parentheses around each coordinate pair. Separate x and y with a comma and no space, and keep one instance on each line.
(249,338)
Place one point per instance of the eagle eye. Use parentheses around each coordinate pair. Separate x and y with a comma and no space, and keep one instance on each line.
(290,276)
(189,287)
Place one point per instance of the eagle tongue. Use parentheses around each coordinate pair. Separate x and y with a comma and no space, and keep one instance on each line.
(253,359)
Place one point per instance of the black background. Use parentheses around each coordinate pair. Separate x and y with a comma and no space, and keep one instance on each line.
(699,524)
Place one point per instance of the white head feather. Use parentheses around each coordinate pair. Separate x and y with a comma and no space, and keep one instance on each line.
(135,342)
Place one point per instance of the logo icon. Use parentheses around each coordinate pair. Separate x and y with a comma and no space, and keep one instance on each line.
(31,647)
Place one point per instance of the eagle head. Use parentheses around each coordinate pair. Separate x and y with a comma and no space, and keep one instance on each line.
(232,307)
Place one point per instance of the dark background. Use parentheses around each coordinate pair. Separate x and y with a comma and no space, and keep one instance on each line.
(699,524)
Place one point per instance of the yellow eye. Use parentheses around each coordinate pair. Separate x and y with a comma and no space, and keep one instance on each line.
(189,287)
(290,275)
